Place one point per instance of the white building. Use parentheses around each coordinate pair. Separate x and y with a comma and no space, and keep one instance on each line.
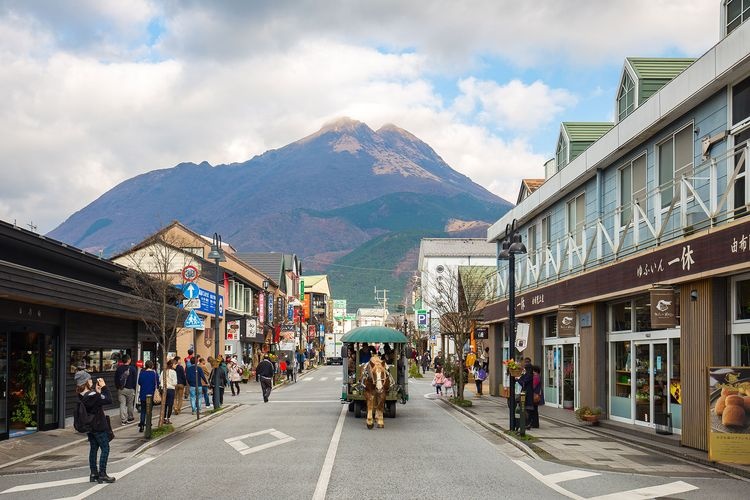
(371,317)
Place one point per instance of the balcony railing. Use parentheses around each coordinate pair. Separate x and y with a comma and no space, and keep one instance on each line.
(709,195)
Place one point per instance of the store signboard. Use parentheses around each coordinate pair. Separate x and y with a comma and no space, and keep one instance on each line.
(233,330)
(663,308)
(522,336)
(482,332)
(566,322)
(728,414)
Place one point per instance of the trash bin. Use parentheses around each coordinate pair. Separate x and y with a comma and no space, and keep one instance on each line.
(663,423)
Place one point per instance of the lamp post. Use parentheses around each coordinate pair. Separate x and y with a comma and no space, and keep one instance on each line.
(509,252)
(217,255)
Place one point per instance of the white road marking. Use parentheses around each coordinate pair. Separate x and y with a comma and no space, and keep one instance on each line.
(243,449)
(325,473)
(75,480)
(339,379)
(323,379)
(569,475)
(539,477)
(663,490)
(117,475)
(308,401)
(307,379)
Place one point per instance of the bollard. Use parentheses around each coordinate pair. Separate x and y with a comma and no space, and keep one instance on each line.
(522,413)
(149,408)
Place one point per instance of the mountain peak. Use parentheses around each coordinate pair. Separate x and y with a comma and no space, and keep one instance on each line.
(390,128)
(343,124)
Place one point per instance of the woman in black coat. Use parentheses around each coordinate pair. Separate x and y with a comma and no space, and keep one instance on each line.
(527,387)
(94,398)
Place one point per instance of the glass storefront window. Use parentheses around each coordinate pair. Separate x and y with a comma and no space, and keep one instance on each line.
(743,350)
(643,314)
(550,326)
(95,360)
(111,358)
(621,383)
(621,317)
(742,294)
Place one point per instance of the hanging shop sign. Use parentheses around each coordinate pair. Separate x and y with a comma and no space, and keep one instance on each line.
(233,330)
(728,415)
(566,322)
(262,307)
(522,336)
(482,332)
(663,308)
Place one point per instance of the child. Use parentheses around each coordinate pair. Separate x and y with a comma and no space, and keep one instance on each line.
(449,385)
(438,381)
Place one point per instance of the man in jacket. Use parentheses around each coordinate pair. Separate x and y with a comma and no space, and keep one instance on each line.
(125,381)
(196,379)
(179,388)
(265,373)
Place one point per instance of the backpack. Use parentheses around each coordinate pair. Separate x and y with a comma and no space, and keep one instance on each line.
(83,421)
(123,378)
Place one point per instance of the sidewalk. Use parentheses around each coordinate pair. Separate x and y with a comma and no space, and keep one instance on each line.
(610,446)
(65,448)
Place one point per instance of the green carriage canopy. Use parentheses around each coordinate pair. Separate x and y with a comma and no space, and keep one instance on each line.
(372,334)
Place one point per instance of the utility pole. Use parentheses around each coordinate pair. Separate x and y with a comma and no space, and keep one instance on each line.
(383,301)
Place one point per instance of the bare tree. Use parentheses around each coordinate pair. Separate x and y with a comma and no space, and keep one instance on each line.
(458,296)
(155,278)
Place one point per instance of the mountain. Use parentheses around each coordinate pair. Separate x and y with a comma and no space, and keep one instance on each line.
(322,197)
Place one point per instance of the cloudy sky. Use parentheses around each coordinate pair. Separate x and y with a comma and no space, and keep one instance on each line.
(97,91)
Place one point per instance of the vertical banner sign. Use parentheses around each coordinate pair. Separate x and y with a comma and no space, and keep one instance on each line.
(566,322)
(522,336)
(289,312)
(270,310)
(663,308)
(310,333)
(262,307)
(728,414)
(422,319)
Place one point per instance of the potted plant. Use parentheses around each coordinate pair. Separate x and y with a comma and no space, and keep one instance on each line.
(514,368)
(588,414)
(246,375)
(22,416)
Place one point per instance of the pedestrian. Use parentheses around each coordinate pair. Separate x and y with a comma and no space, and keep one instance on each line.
(148,381)
(196,379)
(300,360)
(94,398)
(526,381)
(206,374)
(265,373)
(179,387)
(480,374)
(126,378)
(486,359)
(425,362)
(438,380)
(438,360)
(171,391)
(235,376)
(218,371)
(364,353)
(537,397)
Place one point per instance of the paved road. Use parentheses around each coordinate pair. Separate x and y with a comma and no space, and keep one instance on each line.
(304,444)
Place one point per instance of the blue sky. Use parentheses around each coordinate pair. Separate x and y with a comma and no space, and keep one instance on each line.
(100,91)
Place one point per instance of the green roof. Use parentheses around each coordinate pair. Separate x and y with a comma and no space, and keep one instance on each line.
(586,131)
(374,334)
(659,67)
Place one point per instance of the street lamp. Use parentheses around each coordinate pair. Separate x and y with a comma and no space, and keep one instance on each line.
(509,252)
(217,255)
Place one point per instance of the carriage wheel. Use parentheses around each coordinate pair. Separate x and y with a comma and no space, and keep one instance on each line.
(390,409)
(358,409)
(351,406)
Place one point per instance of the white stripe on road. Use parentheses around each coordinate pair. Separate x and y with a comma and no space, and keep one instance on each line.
(325,473)
(323,379)
(309,401)
(663,490)
(338,379)
(550,484)
(569,475)
(117,475)
(308,379)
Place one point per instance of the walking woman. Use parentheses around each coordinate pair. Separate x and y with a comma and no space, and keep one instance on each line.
(94,399)
(148,380)
(171,385)
(235,375)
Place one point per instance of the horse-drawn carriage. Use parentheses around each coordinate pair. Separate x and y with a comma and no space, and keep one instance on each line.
(375,383)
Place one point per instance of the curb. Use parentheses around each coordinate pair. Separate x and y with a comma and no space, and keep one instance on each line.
(518,444)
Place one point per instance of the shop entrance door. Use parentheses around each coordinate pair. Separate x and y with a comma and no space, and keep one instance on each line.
(29,365)
(561,375)
(651,382)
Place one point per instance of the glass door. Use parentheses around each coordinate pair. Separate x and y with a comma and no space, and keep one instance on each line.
(568,375)
(48,377)
(651,381)
(660,381)
(643,383)
(4,385)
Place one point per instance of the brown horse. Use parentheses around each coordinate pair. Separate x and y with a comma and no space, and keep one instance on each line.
(377,383)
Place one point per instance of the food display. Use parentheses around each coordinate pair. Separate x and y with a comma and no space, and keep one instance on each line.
(730,404)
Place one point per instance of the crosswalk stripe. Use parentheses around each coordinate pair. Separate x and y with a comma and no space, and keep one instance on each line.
(323,379)
(569,475)
(338,379)
(662,490)
(307,379)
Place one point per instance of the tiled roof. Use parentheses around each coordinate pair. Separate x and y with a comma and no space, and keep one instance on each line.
(659,67)
(586,131)
(269,263)
(443,247)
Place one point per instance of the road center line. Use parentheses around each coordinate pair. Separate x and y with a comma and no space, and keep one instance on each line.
(325,473)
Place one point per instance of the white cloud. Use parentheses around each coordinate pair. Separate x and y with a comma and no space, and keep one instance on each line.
(514,105)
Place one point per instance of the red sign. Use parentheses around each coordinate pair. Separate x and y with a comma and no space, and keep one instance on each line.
(262,307)
(190,273)
(139,363)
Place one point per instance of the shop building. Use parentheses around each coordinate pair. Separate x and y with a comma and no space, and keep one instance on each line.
(637,271)
(61,309)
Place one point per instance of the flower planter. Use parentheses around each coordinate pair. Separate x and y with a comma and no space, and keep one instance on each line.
(592,419)
(515,372)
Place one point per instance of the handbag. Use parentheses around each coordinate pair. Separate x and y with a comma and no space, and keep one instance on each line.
(110,432)
(537,399)
(157,396)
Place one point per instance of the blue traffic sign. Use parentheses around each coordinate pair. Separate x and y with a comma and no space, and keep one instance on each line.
(191,291)
(193,320)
